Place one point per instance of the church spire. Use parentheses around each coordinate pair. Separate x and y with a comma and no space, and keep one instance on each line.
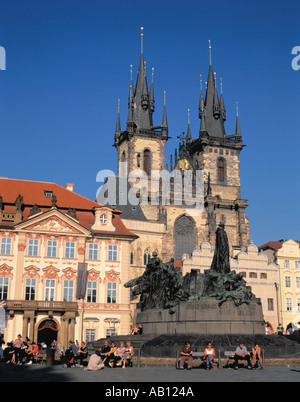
(202,126)
(141,96)
(188,133)
(118,125)
(237,127)
(209,50)
(151,96)
(222,106)
(216,108)
(130,99)
(213,124)
(164,119)
(201,99)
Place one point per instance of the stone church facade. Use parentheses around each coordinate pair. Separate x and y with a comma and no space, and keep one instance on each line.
(167,227)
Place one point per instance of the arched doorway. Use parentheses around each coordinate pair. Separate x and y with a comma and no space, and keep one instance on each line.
(184,235)
(47,332)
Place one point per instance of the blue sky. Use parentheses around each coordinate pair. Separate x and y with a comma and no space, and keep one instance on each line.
(68,62)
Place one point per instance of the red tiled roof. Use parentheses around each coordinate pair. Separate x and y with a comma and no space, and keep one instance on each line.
(178,264)
(33,193)
(274,245)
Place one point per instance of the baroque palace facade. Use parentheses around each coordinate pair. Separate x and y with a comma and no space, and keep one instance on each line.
(46,232)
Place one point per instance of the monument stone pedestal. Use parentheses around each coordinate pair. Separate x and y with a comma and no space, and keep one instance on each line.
(204,317)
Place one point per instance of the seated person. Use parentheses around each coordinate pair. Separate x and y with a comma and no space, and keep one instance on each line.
(111,354)
(241,353)
(186,356)
(128,354)
(256,356)
(104,352)
(134,330)
(83,353)
(28,353)
(140,329)
(209,354)
(36,349)
(95,362)
(23,351)
(119,355)
(8,353)
(69,355)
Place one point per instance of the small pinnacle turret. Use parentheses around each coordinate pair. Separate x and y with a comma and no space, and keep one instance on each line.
(237,126)
(189,133)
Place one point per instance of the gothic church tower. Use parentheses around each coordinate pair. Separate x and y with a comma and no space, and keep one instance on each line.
(215,153)
(141,145)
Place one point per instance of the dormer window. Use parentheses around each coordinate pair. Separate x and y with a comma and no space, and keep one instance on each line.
(103,218)
(48,194)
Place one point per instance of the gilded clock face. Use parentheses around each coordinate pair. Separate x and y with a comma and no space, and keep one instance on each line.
(183,164)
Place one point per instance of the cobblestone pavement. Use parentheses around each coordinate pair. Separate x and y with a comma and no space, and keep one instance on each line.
(147,375)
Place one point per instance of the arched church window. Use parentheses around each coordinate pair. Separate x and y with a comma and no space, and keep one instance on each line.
(147,162)
(184,234)
(122,171)
(147,256)
(221,169)
(131,258)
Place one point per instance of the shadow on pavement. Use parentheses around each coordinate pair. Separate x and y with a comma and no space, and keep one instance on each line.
(33,373)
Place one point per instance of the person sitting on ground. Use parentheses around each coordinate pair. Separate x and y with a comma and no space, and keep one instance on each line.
(256,356)
(83,353)
(128,354)
(186,356)
(209,354)
(119,355)
(111,355)
(104,353)
(95,362)
(241,353)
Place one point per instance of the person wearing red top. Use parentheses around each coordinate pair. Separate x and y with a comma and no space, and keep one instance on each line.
(32,351)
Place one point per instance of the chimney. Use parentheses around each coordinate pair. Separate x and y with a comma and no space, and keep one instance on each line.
(69,186)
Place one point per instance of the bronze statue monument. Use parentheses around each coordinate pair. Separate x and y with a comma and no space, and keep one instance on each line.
(217,301)
(163,287)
